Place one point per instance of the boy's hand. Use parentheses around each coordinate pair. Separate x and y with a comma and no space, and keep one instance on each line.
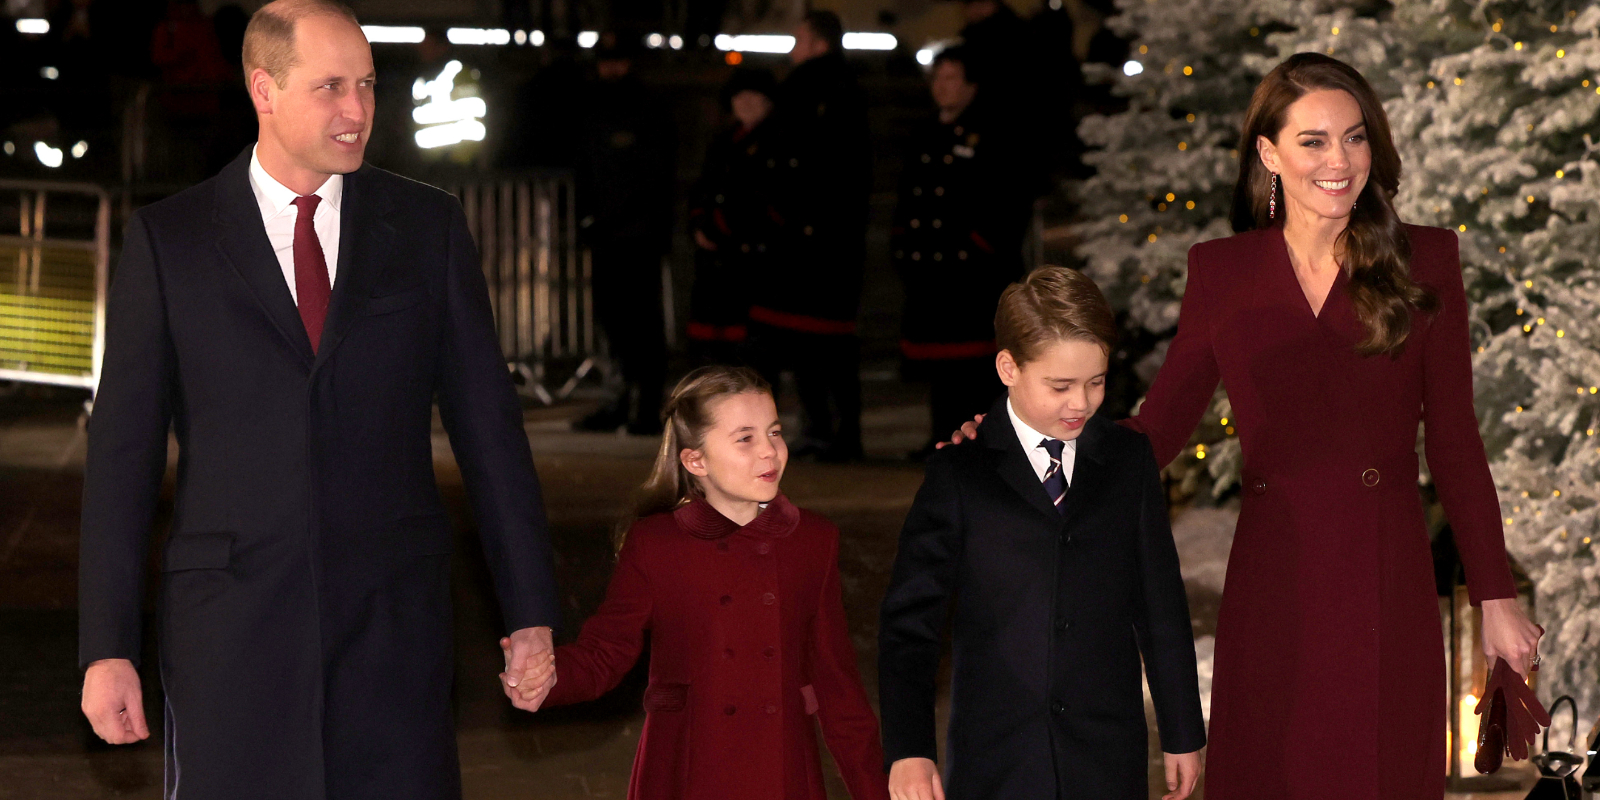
(915,779)
(969,430)
(1183,771)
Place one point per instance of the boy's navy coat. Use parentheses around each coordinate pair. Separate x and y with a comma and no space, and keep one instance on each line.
(1052,613)
(304,620)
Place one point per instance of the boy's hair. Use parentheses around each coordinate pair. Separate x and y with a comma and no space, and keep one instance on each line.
(687,419)
(1052,304)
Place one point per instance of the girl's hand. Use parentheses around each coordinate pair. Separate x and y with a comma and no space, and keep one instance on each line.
(1183,772)
(915,779)
(1508,634)
(538,679)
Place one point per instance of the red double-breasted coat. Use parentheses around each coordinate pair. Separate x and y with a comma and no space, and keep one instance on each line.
(748,643)
(1330,668)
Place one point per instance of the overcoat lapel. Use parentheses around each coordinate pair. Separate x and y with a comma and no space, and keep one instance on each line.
(365,240)
(1012,463)
(244,245)
(1088,473)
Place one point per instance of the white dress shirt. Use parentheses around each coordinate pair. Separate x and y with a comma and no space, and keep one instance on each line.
(1033,445)
(278,213)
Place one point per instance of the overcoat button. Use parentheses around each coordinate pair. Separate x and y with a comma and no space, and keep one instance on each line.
(730,710)
(938,223)
(938,190)
(949,159)
(808,230)
(772,709)
(1055,708)
(769,598)
(1259,486)
(770,652)
(764,548)
(1061,624)
(728,653)
(726,600)
(1370,477)
(722,547)
(744,248)
(938,256)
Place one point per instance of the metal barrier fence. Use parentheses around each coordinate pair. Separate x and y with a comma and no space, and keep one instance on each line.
(52,310)
(539,277)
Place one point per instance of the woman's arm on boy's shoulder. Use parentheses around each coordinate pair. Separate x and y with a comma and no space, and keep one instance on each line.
(1162,625)
(611,640)
(915,610)
(848,724)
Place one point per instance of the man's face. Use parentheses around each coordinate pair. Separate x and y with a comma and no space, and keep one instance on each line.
(951,91)
(321,118)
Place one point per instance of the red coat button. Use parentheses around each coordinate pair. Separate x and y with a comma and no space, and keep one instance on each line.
(769,598)
(772,709)
(730,710)
(728,653)
(770,652)
(764,548)
(725,600)
(722,547)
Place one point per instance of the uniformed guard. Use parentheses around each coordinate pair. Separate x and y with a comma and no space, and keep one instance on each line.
(803,315)
(731,218)
(956,242)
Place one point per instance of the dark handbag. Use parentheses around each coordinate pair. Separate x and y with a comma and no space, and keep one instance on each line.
(1557,769)
(1510,717)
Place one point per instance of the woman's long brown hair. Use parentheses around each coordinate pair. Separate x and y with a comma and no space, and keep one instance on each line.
(687,418)
(1375,250)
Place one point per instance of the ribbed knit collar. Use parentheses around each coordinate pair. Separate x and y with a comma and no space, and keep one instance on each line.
(699,519)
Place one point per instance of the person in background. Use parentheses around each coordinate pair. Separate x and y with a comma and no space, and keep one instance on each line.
(804,318)
(750,651)
(625,176)
(731,220)
(956,242)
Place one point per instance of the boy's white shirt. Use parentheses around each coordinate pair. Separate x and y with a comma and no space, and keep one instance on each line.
(1033,446)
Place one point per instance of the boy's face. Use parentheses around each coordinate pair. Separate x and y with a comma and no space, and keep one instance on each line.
(1057,392)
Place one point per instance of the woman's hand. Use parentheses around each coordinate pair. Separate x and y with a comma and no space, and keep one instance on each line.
(969,430)
(1183,772)
(1508,634)
(915,779)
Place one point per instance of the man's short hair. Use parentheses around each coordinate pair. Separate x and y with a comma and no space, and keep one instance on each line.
(827,27)
(269,38)
(1050,305)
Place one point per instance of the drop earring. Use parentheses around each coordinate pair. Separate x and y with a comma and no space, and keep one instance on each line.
(1272,203)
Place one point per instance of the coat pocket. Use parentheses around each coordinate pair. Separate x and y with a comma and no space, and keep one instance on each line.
(400,301)
(659,697)
(185,551)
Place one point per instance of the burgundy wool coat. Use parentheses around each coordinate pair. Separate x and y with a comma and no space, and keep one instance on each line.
(748,643)
(1330,670)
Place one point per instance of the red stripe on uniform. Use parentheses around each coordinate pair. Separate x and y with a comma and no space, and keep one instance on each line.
(800,322)
(703,332)
(931,351)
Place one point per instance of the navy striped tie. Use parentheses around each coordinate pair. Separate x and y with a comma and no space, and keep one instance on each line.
(1055,483)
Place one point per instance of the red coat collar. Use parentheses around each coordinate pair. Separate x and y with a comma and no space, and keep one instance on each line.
(698,518)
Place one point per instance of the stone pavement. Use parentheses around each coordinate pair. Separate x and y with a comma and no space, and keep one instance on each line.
(47,751)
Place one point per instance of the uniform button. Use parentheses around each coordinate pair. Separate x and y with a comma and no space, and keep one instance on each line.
(720,199)
(794,162)
(772,709)
(725,600)
(916,256)
(961,254)
(960,130)
(949,159)
(1057,707)
(744,248)
(808,230)
(938,223)
(938,190)
(769,598)
(771,163)
(730,710)
(916,191)
(769,652)
(938,256)
(1259,486)
(722,547)
(764,548)
(899,254)
(1370,477)
(916,223)
(728,653)
(1061,624)
(925,158)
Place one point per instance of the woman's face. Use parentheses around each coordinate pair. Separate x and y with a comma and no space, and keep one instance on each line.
(751,107)
(743,455)
(1321,156)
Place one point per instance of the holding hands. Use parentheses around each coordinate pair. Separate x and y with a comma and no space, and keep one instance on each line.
(530,667)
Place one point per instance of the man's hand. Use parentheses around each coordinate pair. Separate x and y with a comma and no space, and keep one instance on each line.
(1183,771)
(969,430)
(113,701)
(915,779)
(524,650)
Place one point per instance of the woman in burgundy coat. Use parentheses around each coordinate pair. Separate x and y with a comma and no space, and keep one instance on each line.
(740,592)
(1336,330)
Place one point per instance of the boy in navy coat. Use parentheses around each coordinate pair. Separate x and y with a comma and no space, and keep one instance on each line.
(1047,538)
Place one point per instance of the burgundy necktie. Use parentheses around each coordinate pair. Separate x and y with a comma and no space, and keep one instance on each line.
(310,269)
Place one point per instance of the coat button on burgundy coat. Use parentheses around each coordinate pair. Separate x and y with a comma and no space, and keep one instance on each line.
(725,600)
(730,710)
(769,598)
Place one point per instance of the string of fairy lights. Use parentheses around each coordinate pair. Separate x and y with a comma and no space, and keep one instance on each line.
(1532,325)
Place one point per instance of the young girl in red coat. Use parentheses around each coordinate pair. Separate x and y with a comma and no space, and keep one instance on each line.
(740,592)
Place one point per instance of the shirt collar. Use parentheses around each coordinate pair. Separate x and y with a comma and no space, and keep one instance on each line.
(1029,437)
(274,197)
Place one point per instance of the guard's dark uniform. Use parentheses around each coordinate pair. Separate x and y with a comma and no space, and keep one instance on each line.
(731,206)
(803,316)
(957,242)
